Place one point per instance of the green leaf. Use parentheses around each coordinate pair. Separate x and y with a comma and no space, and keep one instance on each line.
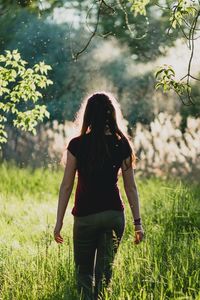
(26,82)
(159,72)
(159,84)
(47,114)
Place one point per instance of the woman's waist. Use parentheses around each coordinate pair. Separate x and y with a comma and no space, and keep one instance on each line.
(92,215)
(100,188)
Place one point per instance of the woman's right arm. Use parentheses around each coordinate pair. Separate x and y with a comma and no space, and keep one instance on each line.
(132,195)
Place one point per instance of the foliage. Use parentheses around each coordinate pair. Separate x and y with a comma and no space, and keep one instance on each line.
(184,17)
(181,10)
(166,264)
(166,79)
(140,29)
(50,42)
(20,84)
(139,6)
(144,34)
(43,40)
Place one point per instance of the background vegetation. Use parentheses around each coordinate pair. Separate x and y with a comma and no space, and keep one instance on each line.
(121,57)
(56,31)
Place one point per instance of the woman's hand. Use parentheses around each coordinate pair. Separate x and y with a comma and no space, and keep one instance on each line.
(139,234)
(58,238)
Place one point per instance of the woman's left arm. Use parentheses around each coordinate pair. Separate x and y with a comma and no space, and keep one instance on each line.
(66,188)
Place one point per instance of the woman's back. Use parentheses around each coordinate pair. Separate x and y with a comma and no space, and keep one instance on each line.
(98,191)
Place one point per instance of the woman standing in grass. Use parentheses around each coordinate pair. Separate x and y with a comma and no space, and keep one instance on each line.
(98,154)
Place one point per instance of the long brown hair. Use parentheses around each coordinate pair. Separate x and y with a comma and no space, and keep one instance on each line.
(97,113)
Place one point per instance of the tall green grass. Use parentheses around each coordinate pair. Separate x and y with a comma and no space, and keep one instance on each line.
(166,265)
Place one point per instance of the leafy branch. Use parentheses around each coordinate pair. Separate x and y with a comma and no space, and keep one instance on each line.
(165,76)
(20,86)
(182,13)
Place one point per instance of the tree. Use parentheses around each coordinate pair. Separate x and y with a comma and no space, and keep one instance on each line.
(182,20)
(143,24)
(20,90)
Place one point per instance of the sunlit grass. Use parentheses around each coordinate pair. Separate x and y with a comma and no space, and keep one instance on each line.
(166,265)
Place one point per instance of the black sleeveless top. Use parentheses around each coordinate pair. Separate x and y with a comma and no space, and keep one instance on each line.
(99,192)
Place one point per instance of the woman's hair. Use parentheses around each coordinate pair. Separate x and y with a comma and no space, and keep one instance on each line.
(98,112)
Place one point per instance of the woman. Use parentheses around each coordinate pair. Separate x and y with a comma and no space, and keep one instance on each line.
(98,154)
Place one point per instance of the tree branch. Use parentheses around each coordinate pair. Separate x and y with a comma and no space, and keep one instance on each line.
(128,24)
(76,55)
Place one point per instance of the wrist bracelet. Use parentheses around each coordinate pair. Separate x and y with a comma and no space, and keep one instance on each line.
(137,221)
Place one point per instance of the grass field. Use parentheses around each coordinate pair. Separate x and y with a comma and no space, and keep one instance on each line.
(166,265)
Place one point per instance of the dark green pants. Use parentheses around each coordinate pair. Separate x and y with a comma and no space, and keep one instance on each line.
(96,238)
